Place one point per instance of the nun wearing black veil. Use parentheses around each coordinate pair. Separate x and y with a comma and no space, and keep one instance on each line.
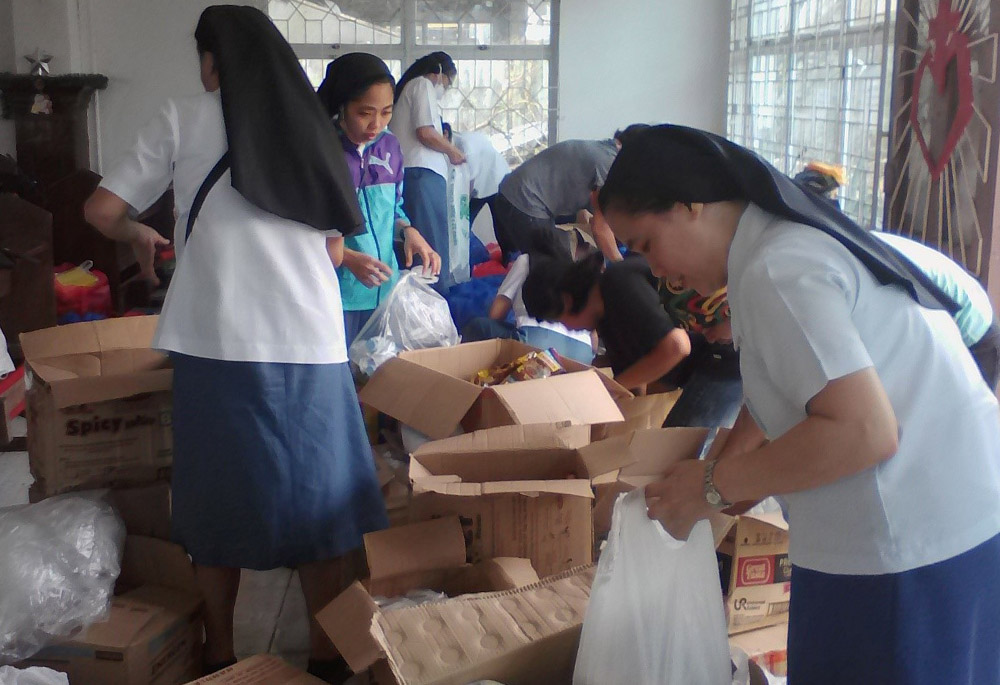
(864,413)
(272,466)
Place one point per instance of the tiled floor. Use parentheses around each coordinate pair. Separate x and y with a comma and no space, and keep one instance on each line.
(270,608)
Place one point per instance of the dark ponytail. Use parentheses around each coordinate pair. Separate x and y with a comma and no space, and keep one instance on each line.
(434,63)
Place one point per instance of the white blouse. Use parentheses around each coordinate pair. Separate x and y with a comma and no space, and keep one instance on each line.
(805,311)
(249,286)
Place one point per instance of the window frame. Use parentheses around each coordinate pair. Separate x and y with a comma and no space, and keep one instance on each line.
(408,51)
(791,44)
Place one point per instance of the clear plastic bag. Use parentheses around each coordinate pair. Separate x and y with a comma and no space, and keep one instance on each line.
(35,675)
(412,317)
(58,568)
(413,598)
(656,615)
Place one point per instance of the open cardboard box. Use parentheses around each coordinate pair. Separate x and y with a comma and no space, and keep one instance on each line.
(428,555)
(520,491)
(641,413)
(262,669)
(752,549)
(432,391)
(99,405)
(755,569)
(153,635)
(525,636)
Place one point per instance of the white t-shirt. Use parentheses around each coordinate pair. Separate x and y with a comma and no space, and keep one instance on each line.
(511,289)
(805,311)
(249,286)
(418,106)
(487,165)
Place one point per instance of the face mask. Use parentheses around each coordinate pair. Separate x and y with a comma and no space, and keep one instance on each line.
(439,91)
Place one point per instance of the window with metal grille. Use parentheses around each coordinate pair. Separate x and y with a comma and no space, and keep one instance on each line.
(504,51)
(809,80)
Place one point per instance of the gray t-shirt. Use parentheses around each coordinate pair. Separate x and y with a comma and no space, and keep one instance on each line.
(558,180)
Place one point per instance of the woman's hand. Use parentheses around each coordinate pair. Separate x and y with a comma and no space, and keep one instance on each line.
(415,244)
(370,271)
(678,501)
(144,241)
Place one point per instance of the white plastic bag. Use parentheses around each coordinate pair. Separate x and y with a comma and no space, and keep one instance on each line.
(59,560)
(656,615)
(35,675)
(412,317)
(459,189)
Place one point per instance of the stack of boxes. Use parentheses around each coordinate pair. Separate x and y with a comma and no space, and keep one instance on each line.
(507,500)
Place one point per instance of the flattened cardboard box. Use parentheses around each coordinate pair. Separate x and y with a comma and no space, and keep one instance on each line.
(527,636)
(431,391)
(153,634)
(428,555)
(262,669)
(520,491)
(99,405)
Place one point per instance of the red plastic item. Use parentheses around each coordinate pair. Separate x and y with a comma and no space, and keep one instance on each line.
(494,267)
(83,300)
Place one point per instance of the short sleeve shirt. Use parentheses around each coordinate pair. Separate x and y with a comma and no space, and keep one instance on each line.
(558,180)
(634,322)
(249,286)
(418,107)
(805,312)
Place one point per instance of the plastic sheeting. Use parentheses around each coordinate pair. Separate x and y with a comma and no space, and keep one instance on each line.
(59,562)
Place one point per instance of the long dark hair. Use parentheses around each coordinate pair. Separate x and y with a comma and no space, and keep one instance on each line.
(434,63)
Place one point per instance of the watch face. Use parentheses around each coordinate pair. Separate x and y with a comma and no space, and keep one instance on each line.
(713,498)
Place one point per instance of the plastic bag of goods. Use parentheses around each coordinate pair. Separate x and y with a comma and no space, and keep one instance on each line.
(656,614)
(58,568)
(412,317)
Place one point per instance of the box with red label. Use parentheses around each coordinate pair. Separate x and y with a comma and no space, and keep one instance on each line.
(755,570)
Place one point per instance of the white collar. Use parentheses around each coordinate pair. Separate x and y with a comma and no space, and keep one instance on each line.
(749,229)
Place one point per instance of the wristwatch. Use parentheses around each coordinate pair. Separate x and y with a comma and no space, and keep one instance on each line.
(712,494)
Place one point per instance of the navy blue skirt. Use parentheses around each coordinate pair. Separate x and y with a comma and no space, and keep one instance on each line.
(272,466)
(934,625)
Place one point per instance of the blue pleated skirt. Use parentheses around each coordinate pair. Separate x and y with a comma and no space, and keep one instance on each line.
(934,625)
(272,465)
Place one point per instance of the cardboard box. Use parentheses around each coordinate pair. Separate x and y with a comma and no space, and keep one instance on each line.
(99,405)
(431,390)
(153,635)
(755,570)
(520,491)
(144,509)
(428,555)
(262,669)
(641,413)
(527,636)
